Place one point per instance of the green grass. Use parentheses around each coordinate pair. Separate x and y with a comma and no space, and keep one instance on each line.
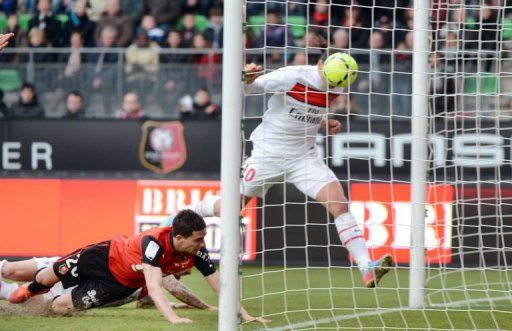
(334,298)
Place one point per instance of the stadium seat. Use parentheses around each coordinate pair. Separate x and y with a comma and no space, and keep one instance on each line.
(63,18)
(9,80)
(297,25)
(23,20)
(507,28)
(257,22)
(488,84)
(3,22)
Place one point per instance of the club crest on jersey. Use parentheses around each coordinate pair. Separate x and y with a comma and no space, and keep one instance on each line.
(162,147)
(63,269)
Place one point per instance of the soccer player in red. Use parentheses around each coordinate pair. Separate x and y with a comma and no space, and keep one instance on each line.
(112,270)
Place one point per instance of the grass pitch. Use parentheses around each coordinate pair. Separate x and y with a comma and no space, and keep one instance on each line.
(315,298)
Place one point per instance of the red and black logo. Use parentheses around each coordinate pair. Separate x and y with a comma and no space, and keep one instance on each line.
(162,147)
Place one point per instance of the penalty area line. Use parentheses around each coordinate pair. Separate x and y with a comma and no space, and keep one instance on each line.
(339,318)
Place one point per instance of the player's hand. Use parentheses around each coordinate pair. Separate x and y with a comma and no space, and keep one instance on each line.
(333,127)
(250,318)
(180,320)
(252,71)
(213,309)
(4,40)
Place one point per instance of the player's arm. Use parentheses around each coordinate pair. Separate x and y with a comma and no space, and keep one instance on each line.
(151,254)
(280,80)
(204,264)
(184,294)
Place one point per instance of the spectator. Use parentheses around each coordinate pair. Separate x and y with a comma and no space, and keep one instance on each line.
(198,107)
(79,21)
(9,7)
(142,62)
(19,38)
(174,78)
(96,9)
(208,63)
(46,22)
(320,13)
(173,42)
(196,6)
(165,12)
(442,87)
(130,108)
(114,16)
(61,6)
(214,31)
(28,105)
(341,39)
(352,20)
(37,39)
(74,106)
(276,34)
(27,6)
(73,75)
(134,9)
(377,57)
(148,25)
(105,69)
(189,29)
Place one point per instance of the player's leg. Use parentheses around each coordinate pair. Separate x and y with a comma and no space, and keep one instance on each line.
(63,270)
(259,175)
(23,271)
(314,178)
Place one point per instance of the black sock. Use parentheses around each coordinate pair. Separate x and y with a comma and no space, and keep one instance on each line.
(35,287)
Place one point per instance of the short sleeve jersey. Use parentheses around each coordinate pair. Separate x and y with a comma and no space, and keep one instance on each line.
(299,102)
(154,247)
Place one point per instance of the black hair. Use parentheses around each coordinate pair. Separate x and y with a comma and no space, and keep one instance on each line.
(28,85)
(186,222)
(76,94)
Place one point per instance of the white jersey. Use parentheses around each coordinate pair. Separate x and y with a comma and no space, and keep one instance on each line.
(292,120)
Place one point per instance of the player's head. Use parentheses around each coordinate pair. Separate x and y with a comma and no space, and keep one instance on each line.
(189,230)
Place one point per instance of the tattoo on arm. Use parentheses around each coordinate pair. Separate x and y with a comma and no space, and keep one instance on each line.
(182,293)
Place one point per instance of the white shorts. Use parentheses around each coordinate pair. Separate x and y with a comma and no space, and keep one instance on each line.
(309,174)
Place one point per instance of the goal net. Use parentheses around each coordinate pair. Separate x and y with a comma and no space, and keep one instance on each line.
(301,276)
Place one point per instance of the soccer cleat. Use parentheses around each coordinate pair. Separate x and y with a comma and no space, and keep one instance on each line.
(22,294)
(377,269)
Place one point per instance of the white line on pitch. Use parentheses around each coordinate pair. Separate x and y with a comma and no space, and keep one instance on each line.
(379,312)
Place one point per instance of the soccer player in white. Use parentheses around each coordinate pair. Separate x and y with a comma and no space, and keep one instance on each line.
(284,149)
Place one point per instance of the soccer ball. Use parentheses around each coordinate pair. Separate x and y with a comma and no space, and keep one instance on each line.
(340,69)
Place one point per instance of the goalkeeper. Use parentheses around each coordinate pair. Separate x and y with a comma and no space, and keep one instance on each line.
(284,147)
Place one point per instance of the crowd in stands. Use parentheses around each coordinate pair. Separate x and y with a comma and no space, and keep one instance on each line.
(378,33)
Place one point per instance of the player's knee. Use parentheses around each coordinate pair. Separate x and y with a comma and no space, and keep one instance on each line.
(46,277)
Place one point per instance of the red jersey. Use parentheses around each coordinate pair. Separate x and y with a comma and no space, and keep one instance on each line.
(153,246)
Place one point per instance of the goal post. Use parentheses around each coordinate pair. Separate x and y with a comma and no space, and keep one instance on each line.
(419,145)
(232,103)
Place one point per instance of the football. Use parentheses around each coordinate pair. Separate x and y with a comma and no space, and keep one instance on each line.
(340,70)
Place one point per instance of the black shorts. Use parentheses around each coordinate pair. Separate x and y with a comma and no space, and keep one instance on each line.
(87,269)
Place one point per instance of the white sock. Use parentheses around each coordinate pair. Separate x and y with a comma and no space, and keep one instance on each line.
(44,262)
(54,292)
(352,238)
(6,289)
(1,266)
(206,208)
